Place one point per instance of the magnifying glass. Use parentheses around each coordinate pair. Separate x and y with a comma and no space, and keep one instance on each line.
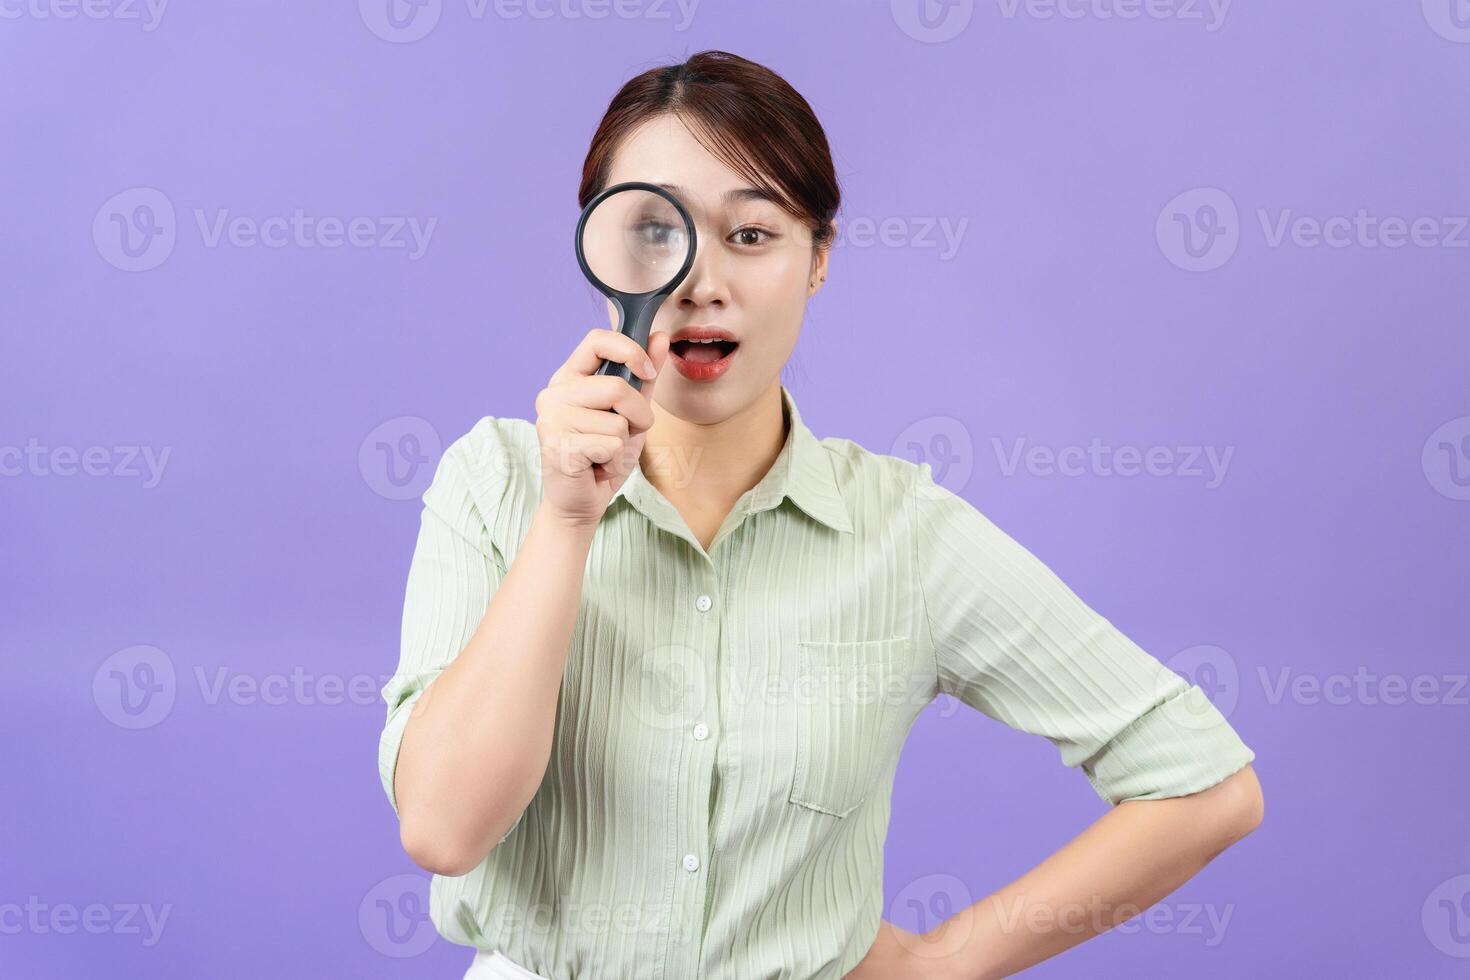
(635,243)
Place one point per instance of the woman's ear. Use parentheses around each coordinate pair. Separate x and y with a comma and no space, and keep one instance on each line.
(820,258)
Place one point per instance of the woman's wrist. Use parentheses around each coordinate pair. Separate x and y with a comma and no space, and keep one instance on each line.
(581,528)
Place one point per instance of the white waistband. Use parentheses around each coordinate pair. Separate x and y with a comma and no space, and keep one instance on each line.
(491,964)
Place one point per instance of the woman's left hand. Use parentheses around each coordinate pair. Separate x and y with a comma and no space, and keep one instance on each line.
(898,954)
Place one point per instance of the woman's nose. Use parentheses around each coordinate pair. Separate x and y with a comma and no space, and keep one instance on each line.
(706,282)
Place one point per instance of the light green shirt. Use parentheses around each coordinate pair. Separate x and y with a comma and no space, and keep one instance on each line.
(730,721)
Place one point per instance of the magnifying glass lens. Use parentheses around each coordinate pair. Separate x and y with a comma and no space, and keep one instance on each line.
(635,241)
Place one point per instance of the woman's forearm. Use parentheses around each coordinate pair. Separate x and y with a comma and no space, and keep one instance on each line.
(1129,859)
(478,741)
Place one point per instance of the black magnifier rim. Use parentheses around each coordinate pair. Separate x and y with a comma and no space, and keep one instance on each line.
(637,185)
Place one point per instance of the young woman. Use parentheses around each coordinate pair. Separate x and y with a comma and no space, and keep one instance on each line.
(661,648)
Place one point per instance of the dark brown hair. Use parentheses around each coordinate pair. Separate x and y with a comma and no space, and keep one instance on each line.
(742,112)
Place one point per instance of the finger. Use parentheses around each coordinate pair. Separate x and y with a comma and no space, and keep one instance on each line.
(570,418)
(607,393)
(658,352)
(592,420)
(626,459)
(573,453)
(602,345)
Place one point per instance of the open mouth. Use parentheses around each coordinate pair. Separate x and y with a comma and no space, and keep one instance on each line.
(702,351)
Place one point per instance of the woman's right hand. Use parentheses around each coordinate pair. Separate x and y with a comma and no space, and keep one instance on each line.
(592,427)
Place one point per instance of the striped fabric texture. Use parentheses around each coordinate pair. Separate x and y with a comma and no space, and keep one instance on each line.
(730,720)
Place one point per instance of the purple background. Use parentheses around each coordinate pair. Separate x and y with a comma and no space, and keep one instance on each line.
(275,540)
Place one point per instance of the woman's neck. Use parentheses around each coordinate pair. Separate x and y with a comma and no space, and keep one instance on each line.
(714,464)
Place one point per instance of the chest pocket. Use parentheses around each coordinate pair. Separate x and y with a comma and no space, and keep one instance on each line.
(843,707)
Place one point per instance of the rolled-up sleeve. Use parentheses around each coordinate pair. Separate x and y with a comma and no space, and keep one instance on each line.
(1012,641)
(455,570)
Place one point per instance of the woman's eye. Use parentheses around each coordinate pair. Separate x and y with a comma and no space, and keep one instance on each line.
(752,236)
(657,232)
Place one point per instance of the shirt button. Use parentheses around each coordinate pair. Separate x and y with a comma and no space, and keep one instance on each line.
(703,603)
(691,862)
(701,732)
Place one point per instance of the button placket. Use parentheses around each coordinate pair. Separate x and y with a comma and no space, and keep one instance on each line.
(704,635)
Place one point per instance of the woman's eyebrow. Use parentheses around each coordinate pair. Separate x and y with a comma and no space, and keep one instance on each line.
(738,195)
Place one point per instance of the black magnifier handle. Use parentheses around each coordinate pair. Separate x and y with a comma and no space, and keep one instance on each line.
(637,323)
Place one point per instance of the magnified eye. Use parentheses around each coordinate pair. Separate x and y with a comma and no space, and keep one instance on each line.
(657,233)
(633,240)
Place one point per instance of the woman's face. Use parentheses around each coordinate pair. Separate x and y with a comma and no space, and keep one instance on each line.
(752,274)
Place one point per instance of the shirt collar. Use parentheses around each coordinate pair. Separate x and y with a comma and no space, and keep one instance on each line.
(802,471)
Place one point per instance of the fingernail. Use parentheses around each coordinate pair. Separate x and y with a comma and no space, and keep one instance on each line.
(648,366)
